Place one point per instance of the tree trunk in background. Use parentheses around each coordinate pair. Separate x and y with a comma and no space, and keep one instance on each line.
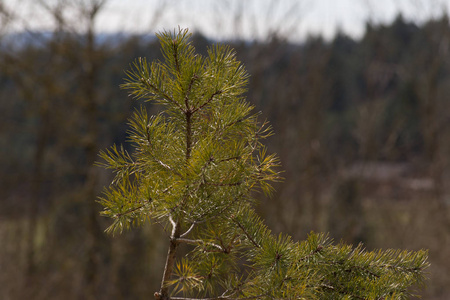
(36,188)
(95,236)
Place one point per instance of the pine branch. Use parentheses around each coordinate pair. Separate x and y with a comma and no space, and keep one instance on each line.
(208,101)
(342,292)
(118,215)
(220,298)
(229,159)
(159,92)
(314,252)
(249,237)
(223,183)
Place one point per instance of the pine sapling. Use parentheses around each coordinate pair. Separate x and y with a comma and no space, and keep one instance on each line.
(194,169)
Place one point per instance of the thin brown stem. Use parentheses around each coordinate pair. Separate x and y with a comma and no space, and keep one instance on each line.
(170,262)
(208,101)
(175,237)
(222,183)
(175,55)
(161,93)
(188,134)
(246,233)
(188,91)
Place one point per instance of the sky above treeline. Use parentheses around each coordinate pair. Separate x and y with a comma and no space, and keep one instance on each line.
(230,19)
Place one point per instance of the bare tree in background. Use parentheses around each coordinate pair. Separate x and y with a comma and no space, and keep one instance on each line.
(44,91)
(259,20)
(45,87)
(60,76)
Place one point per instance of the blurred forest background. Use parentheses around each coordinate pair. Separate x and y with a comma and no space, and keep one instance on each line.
(362,127)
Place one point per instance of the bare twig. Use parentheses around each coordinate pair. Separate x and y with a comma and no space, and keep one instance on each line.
(188,231)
